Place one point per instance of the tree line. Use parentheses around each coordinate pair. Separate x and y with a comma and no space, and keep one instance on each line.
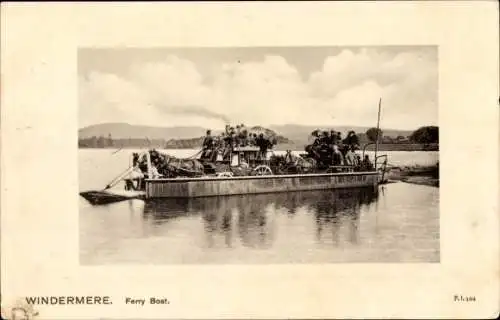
(423,135)
(426,135)
(109,142)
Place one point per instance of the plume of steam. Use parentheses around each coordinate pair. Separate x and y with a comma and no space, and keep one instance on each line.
(199,111)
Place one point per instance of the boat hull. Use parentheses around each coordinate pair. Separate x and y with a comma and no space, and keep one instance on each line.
(222,186)
(101,197)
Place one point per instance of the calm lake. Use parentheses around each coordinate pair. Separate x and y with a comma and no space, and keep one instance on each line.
(399,224)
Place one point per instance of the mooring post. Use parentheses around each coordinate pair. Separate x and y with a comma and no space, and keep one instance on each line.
(378,130)
(150,169)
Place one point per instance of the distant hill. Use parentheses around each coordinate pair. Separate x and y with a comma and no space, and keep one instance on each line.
(126,131)
(291,131)
(289,136)
(124,135)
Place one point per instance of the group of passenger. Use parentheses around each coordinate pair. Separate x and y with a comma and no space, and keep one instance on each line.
(329,148)
(221,146)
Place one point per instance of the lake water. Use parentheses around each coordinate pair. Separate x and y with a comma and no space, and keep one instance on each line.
(400,223)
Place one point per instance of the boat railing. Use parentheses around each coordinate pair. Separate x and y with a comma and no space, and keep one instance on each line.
(369,144)
(383,167)
(364,148)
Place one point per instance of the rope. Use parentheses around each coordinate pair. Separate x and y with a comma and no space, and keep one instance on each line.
(118,178)
(194,155)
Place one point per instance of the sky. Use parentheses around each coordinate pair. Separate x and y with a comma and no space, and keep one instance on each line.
(209,87)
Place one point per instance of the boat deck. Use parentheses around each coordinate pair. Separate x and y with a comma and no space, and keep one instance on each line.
(217,186)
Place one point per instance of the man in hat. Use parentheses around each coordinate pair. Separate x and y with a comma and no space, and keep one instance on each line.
(337,158)
(339,138)
(332,138)
(251,139)
(325,139)
(350,157)
(317,137)
(312,149)
(366,164)
(237,135)
(358,162)
(228,145)
(352,139)
(243,137)
(208,144)
(263,144)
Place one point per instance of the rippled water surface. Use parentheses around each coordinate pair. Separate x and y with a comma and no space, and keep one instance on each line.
(400,223)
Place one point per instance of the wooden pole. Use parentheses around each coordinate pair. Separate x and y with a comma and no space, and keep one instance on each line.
(378,130)
(118,178)
(150,168)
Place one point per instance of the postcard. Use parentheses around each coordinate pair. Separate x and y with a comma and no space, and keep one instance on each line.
(231,160)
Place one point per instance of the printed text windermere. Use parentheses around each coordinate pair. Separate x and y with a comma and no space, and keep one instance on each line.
(69,300)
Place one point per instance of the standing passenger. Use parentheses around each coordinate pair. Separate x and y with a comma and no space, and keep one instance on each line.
(228,146)
(208,143)
(251,139)
(333,137)
(350,157)
(339,138)
(237,135)
(243,137)
(262,143)
(317,140)
(325,139)
(337,156)
(367,165)
(358,162)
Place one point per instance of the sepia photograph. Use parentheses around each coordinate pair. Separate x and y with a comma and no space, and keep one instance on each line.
(258,155)
(249,160)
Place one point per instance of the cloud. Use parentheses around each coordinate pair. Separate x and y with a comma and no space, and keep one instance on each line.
(260,92)
(270,91)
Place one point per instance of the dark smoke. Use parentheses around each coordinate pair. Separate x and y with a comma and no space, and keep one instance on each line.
(193,110)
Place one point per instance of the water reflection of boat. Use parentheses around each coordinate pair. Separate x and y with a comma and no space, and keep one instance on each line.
(253,217)
(341,210)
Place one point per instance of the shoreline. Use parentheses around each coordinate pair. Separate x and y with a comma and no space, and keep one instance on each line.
(420,175)
(284,147)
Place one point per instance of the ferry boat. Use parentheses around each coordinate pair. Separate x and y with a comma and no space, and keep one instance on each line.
(242,170)
(245,174)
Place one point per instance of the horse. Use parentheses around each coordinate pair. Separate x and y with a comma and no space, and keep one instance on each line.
(301,164)
(189,167)
(170,166)
(278,163)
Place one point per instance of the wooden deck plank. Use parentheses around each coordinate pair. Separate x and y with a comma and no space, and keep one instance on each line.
(203,187)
